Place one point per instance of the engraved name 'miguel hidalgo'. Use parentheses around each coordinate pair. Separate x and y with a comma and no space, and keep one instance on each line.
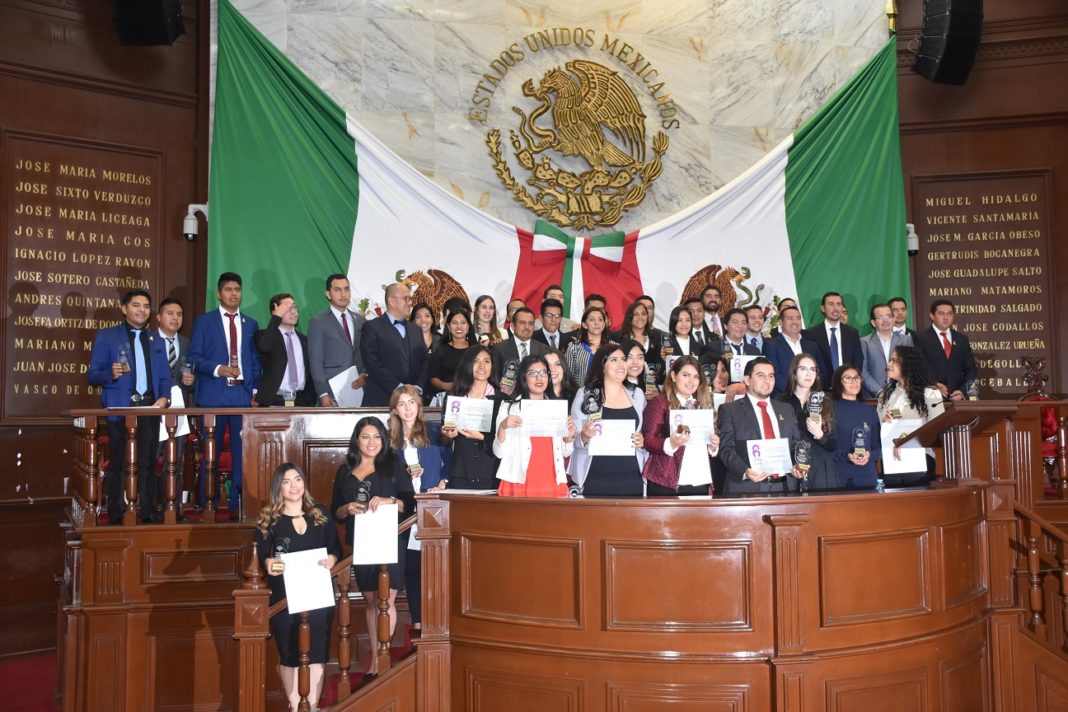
(595,116)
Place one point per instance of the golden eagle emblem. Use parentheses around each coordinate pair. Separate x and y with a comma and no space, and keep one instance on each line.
(596,117)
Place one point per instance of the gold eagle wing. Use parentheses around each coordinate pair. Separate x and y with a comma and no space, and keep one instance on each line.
(610,102)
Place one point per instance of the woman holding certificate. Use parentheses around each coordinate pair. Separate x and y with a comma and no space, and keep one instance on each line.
(371,477)
(532,465)
(815,418)
(293,522)
(474,466)
(415,443)
(679,431)
(857,431)
(910,395)
(580,352)
(609,453)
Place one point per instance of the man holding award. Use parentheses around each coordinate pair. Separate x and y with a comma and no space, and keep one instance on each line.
(757,436)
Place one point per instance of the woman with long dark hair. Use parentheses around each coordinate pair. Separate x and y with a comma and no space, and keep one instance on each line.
(909,393)
(531,466)
(680,331)
(604,397)
(290,522)
(563,381)
(580,352)
(446,357)
(487,330)
(638,325)
(803,380)
(423,317)
(370,477)
(474,466)
(637,368)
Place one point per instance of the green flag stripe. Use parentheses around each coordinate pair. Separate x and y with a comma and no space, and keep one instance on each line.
(845,200)
(284,187)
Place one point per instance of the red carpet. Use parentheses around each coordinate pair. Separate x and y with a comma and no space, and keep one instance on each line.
(28,683)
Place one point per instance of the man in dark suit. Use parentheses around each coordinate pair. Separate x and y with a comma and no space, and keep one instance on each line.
(551,334)
(169,318)
(789,343)
(755,417)
(131,367)
(707,339)
(286,378)
(839,343)
(508,353)
(223,350)
(393,349)
(711,300)
(900,309)
(334,341)
(948,352)
(734,342)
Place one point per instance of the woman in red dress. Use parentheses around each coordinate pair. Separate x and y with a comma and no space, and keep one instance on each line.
(531,466)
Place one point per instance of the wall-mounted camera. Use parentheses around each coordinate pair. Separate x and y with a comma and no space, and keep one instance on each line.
(190,225)
(911,238)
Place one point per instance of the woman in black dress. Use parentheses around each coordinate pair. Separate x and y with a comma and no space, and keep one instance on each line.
(446,357)
(474,466)
(802,381)
(370,477)
(292,522)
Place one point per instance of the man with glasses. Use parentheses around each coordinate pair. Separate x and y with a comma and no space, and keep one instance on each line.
(550,332)
(508,353)
(747,423)
(393,350)
(877,347)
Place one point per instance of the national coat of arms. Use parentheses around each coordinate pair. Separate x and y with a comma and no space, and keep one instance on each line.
(595,117)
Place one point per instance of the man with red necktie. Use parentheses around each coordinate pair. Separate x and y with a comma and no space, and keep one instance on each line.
(948,352)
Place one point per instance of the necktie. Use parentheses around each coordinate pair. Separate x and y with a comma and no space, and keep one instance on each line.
(834,349)
(291,362)
(345,328)
(715,323)
(522,349)
(697,337)
(172,352)
(552,340)
(947,346)
(233,339)
(737,348)
(753,342)
(769,428)
(140,370)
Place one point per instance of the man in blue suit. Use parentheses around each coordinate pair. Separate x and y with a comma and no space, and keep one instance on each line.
(130,365)
(393,350)
(223,351)
(789,343)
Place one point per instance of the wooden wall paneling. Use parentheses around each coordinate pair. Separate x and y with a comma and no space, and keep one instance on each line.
(28,598)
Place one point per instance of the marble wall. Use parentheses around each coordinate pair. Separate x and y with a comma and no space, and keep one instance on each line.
(742,75)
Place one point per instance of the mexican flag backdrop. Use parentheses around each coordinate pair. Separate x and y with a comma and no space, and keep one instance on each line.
(299,190)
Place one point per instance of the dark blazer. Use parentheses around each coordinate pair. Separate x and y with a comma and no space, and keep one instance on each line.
(434,458)
(274,360)
(710,339)
(958,369)
(329,351)
(781,355)
(176,372)
(562,340)
(207,349)
(738,423)
(391,359)
(848,337)
(116,393)
(508,351)
(747,349)
(696,349)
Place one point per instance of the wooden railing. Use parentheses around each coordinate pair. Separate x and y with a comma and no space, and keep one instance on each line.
(1045,548)
(252,629)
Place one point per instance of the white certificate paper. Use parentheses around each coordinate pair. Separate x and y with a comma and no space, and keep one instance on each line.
(177,401)
(718,399)
(468,413)
(374,536)
(771,455)
(612,437)
(308,585)
(701,422)
(543,418)
(913,457)
(345,395)
(738,367)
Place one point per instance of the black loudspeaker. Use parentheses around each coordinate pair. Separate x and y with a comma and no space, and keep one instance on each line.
(949,40)
(148,22)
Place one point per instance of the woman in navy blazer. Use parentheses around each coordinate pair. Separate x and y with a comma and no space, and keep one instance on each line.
(416,444)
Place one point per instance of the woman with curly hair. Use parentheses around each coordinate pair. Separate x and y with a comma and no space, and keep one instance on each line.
(909,393)
(291,522)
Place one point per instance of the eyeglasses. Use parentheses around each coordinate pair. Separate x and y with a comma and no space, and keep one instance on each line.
(850,379)
(550,316)
(537,373)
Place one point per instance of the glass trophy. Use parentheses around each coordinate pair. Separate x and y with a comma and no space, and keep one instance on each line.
(591,404)
(511,374)
(814,406)
(861,438)
(972,390)
(363,492)
(280,547)
(124,358)
(803,460)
